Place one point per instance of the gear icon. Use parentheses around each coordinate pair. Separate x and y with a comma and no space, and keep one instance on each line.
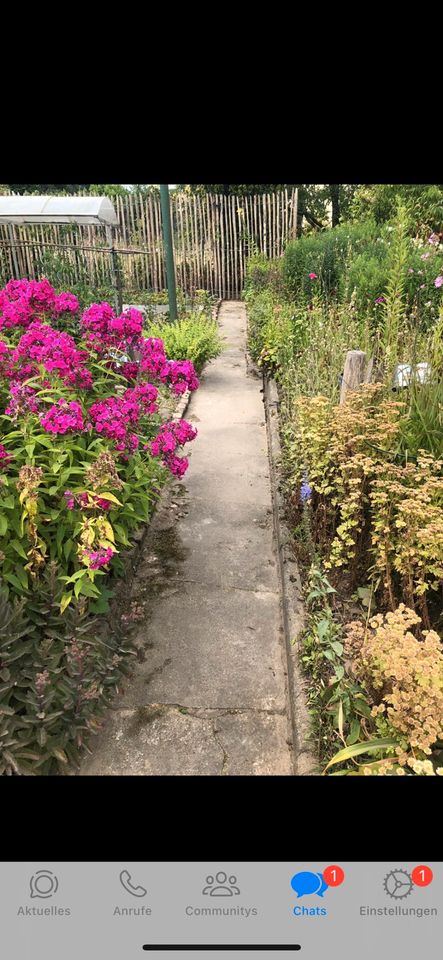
(398,884)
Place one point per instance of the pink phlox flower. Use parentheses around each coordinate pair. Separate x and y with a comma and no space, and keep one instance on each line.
(181,376)
(170,436)
(65,303)
(99,558)
(145,394)
(56,350)
(23,400)
(5,457)
(63,417)
(177,465)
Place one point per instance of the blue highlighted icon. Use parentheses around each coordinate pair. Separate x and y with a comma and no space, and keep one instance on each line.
(306,883)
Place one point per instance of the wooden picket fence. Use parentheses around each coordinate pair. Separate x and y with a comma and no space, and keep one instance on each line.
(213,237)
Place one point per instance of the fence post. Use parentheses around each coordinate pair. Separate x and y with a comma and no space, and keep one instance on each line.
(354,372)
(115,269)
(169,252)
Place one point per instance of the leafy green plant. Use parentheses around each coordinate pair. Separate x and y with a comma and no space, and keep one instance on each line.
(193,337)
(337,702)
(58,676)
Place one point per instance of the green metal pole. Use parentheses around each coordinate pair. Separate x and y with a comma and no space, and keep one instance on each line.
(169,251)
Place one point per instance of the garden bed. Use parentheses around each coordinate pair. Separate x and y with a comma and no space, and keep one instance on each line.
(363,486)
(85,452)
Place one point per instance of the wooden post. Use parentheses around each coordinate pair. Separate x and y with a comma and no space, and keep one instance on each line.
(354,372)
(115,269)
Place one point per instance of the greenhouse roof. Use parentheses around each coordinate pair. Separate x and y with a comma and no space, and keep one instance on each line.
(30,209)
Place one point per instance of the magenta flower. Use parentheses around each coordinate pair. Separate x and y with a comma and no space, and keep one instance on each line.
(70,499)
(171,436)
(56,350)
(380,300)
(25,301)
(63,417)
(438,281)
(313,276)
(99,558)
(22,402)
(102,329)
(5,457)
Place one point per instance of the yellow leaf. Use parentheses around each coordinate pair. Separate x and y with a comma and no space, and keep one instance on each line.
(65,601)
(108,530)
(109,496)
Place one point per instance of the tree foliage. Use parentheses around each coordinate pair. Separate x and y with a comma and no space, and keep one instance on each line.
(378,201)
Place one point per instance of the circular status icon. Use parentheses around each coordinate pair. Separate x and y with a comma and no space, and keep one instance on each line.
(422,875)
(333,875)
(43,884)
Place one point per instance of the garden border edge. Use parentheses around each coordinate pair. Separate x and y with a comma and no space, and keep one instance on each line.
(293,613)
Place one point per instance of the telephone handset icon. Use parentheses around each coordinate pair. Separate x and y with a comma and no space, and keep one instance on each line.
(126,882)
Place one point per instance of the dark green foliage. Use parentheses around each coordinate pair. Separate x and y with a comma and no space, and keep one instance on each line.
(328,254)
(424,202)
(57,676)
(43,188)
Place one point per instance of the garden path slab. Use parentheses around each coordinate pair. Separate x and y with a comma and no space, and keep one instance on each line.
(208,695)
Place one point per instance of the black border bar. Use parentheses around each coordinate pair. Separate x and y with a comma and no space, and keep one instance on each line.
(221,946)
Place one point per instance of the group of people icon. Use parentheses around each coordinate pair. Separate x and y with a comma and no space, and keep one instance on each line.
(221,886)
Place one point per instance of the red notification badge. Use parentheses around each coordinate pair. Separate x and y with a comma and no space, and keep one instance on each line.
(422,875)
(334,875)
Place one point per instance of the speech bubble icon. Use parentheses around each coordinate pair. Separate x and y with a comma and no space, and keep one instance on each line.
(323,886)
(306,882)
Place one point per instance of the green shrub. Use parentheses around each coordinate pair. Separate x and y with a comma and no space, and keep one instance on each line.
(263,274)
(58,676)
(424,203)
(194,337)
(327,254)
(355,261)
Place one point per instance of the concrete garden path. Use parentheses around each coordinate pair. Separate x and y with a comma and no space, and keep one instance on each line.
(209,691)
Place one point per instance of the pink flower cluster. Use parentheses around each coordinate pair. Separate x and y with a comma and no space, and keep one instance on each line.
(153,358)
(179,374)
(23,301)
(82,500)
(5,358)
(99,558)
(112,418)
(22,402)
(102,329)
(63,417)
(5,457)
(171,436)
(145,394)
(56,350)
